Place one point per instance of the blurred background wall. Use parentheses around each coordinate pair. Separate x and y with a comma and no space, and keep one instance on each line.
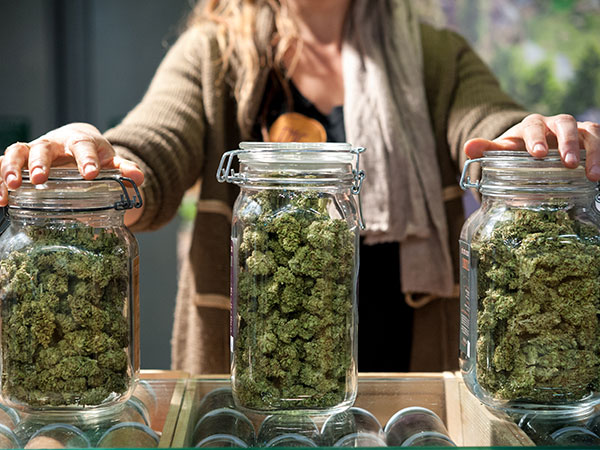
(92,60)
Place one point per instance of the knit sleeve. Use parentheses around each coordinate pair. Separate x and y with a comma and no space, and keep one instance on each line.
(465,98)
(164,133)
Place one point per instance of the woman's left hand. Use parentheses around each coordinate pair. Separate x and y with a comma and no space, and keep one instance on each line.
(537,133)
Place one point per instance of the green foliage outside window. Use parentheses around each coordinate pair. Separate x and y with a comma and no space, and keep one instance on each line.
(546,53)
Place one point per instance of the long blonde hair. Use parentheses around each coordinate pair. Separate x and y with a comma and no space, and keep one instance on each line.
(253,35)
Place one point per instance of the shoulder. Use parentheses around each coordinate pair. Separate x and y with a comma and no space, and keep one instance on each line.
(442,43)
(200,37)
(198,42)
(448,58)
(195,54)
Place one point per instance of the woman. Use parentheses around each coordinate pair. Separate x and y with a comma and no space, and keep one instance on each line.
(363,71)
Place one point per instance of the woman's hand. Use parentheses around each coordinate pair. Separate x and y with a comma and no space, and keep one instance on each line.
(537,133)
(77,143)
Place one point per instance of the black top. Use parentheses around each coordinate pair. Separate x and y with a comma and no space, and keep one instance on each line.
(277,104)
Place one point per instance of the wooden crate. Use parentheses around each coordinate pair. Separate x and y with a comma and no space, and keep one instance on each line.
(469,423)
(161,393)
(169,388)
(196,388)
(474,425)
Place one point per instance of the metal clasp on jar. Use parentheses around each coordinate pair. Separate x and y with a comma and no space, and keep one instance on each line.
(465,180)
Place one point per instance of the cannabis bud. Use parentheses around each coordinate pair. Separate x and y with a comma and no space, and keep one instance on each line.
(295,286)
(538,281)
(64,333)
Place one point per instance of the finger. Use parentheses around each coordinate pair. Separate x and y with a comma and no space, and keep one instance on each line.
(565,129)
(474,148)
(84,148)
(106,153)
(534,131)
(129,169)
(590,136)
(3,194)
(42,153)
(14,159)
(3,189)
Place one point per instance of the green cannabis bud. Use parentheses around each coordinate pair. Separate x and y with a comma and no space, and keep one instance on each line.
(295,279)
(539,298)
(64,333)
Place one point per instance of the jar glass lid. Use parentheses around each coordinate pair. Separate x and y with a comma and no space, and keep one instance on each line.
(296,152)
(509,170)
(524,157)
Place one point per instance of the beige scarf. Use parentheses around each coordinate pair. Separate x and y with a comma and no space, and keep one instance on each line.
(385,110)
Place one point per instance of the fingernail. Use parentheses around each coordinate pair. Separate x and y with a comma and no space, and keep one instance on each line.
(571,159)
(595,171)
(10,178)
(539,148)
(37,171)
(89,168)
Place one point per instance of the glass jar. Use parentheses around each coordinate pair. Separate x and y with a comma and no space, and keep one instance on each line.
(413,422)
(294,243)
(69,292)
(286,424)
(352,422)
(540,426)
(530,285)
(224,421)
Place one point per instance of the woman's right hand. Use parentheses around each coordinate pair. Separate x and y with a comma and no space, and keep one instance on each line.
(77,143)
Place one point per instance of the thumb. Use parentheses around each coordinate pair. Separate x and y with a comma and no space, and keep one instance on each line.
(474,148)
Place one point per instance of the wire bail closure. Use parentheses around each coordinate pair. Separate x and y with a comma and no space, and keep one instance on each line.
(465,180)
(359,176)
(225,173)
(126,202)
